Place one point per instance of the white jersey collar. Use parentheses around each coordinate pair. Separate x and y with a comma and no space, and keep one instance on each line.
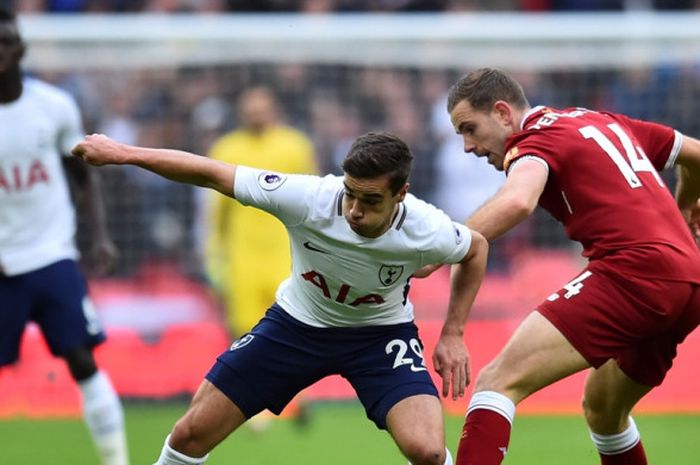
(527,115)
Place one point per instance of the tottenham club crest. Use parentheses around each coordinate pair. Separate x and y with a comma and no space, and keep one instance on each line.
(389,274)
(271,181)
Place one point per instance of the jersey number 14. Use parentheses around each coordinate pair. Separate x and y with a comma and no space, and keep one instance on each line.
(636,160)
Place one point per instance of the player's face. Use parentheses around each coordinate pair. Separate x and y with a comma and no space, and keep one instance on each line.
(484,133)
(11,46)
(369,205)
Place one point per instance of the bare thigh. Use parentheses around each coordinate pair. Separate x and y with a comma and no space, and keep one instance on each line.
(416,423)
(210,419)
(536,356)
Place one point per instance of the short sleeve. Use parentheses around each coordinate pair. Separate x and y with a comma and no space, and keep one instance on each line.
(450,244)
(71,126)
(289,197)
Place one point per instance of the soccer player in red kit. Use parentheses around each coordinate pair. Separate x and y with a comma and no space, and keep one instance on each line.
(639,296)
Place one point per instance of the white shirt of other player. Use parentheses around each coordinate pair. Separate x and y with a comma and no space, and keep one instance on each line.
(37,218)
(340,278)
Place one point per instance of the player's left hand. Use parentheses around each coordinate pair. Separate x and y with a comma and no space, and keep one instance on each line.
(451,361)
(104,254)
(692,217)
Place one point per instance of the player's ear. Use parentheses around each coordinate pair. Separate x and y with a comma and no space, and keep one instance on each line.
(503,112)
(403,191)
(21,49)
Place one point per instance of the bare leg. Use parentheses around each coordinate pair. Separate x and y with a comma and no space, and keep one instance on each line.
(209,420)
(536,356)
(417,426)
(609,398)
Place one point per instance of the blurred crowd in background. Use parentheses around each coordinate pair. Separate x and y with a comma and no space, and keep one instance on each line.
(326,6)
(189,108)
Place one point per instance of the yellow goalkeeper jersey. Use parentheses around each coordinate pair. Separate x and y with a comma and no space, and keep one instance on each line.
(247,249)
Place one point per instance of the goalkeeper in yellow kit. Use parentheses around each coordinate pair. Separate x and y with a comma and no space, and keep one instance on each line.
(247,252)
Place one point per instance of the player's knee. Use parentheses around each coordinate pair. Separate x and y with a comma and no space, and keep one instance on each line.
(425,454)
(494,377)
(188,438)
(81,363)
(491,379)
(602,417)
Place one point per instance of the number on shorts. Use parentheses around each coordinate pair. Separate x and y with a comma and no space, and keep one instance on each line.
(574,287)
(93,322)
(401,350)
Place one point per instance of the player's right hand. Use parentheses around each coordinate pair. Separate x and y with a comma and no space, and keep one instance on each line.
(427,270)
(98,150)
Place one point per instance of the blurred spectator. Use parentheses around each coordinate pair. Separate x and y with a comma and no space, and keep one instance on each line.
(463,182)
(681,107)
(334,127)
(640,92)
(117,120)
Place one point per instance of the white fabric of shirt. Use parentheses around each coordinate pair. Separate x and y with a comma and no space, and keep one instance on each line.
(37,218)
(342,267)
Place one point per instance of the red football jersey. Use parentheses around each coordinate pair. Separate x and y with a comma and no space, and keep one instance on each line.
(604,187)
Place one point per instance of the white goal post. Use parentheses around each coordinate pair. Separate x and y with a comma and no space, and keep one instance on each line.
(509,40)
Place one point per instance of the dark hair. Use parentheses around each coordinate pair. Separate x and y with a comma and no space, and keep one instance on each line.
(376,154)
(6,11)
(483,87)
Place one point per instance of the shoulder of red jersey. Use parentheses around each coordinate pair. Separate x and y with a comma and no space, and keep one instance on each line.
(540,135)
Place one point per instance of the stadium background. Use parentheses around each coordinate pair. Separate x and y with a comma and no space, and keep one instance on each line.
(172,80)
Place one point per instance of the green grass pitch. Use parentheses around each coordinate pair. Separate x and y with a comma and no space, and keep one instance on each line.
(338,434)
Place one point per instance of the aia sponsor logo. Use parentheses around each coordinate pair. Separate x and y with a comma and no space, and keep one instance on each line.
(18,178)
(344,295)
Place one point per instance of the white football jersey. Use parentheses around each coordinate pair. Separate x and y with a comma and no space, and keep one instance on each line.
(37,218)
(338,277)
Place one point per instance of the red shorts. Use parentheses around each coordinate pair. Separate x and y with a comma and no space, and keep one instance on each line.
(636,321)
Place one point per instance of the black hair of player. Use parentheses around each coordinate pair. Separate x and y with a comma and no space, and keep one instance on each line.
(378,154)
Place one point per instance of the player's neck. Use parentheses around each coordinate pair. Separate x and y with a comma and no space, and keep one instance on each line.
(10,85)
(518,117)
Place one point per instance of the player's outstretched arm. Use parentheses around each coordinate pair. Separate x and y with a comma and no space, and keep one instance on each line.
(451,359)
(177,165)
(513,202)
(688,186)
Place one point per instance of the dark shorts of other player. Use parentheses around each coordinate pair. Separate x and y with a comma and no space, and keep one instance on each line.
(55,297)
(281,356)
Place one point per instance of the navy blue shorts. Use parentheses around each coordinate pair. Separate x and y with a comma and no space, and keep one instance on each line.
(267,367)
(56,298)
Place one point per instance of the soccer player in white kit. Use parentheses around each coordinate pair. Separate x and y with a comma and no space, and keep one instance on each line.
(39,277)
(356,241)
